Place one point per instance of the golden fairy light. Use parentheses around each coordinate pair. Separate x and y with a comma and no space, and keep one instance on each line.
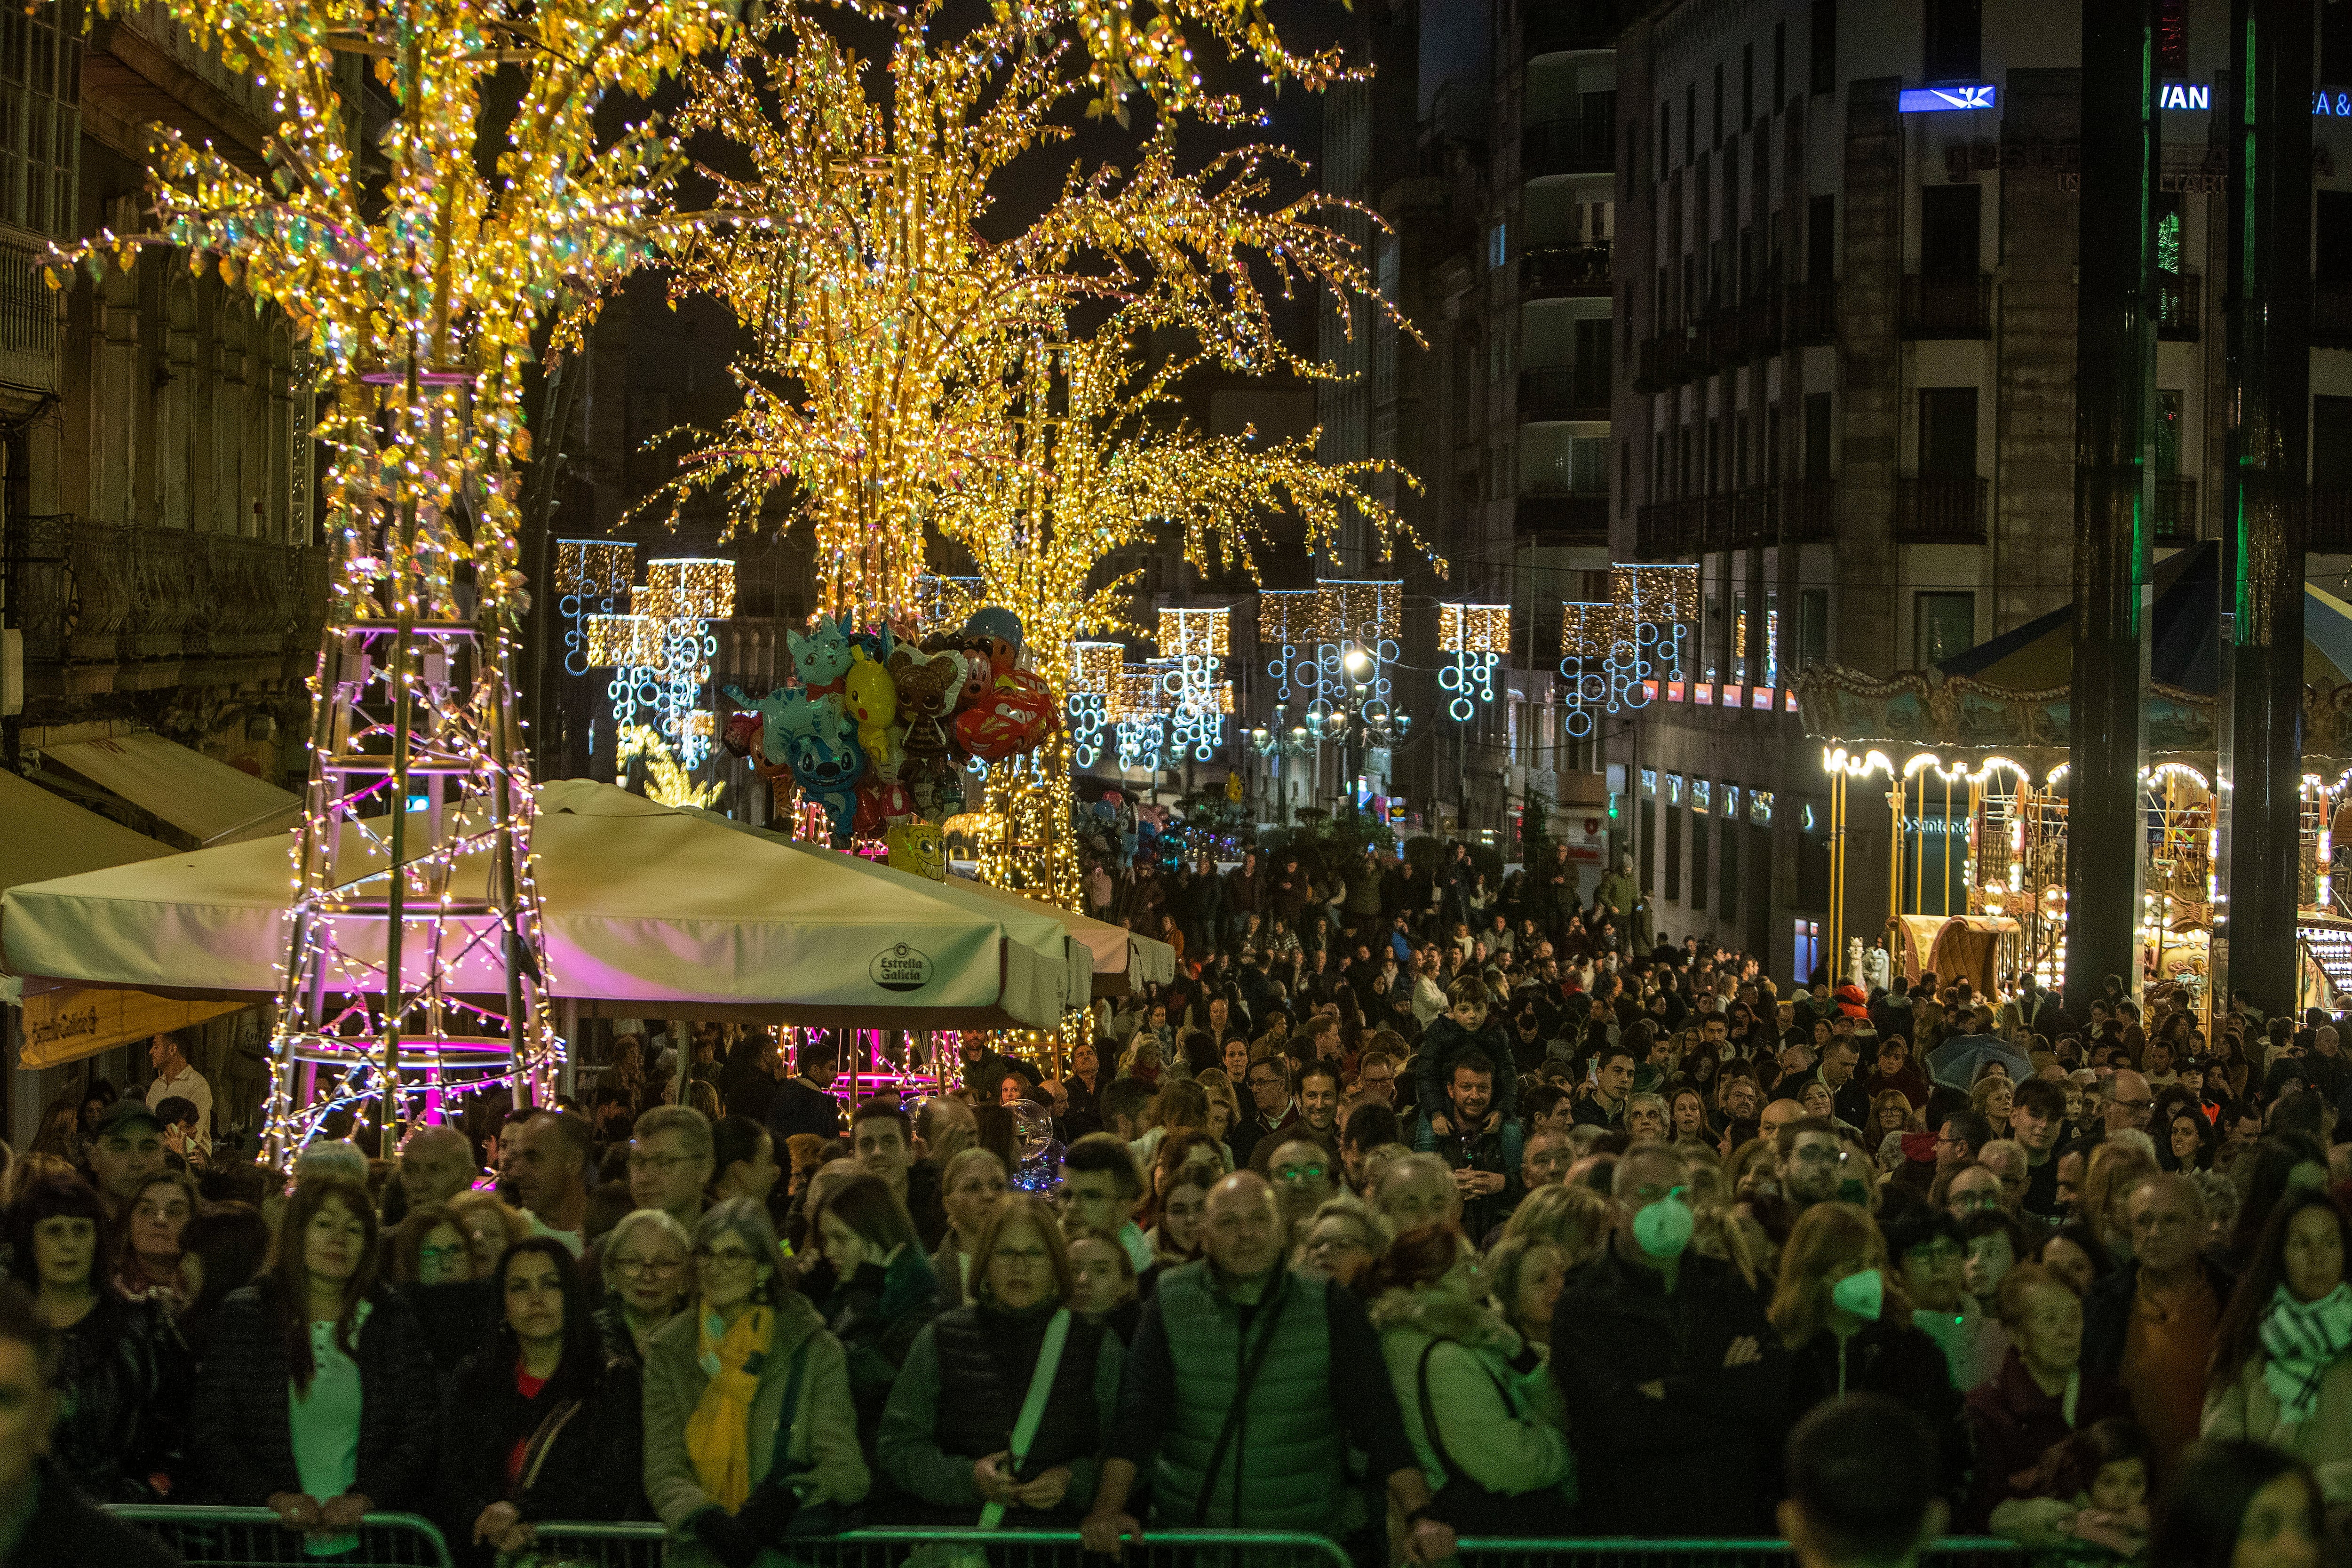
(853,252)
(417,244)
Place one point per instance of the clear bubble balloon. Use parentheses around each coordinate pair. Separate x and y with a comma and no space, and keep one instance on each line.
(1032,1128)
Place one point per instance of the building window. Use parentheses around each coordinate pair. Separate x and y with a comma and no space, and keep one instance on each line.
(1817,435)
(1825,45)
(2331,444)
(1499,252)
(1726,877)
(1813,627)
(1780,66)
(2172,37)
(1717,105)
(1666,139)
(1951,230)
(40,120)
(1954,37)
(1674,852)
(1747,85)
(1820,240)
(1690,121)
(1948,432)
(2168,434)
(1946,626)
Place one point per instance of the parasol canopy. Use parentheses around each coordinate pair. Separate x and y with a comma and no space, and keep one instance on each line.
(645,909)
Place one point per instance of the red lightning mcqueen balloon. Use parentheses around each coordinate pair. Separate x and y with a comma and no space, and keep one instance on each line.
(1013,715)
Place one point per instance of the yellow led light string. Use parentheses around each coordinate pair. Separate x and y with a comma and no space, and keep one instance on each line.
(853,253)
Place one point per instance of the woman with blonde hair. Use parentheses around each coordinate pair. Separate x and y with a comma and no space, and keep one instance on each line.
(491,1226)
(1522,1275)
(1992,1098)
(1576,1219)
(1842,1314)
(974,1181)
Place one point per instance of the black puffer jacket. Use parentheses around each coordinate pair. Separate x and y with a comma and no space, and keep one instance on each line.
(243,1440)
(126,1378)
(1894,1359)
(583,1454)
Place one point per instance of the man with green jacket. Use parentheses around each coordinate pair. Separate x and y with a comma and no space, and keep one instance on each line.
(1244,1390)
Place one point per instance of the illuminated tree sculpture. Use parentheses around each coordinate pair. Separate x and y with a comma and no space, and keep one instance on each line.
(1097,462)
(416,269)
(854,252)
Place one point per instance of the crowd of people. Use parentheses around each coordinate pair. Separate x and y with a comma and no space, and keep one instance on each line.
(1403,1214)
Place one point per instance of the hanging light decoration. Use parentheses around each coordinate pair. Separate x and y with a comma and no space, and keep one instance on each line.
(592,575)
(1195,641)
(1095,673)
(1477,636)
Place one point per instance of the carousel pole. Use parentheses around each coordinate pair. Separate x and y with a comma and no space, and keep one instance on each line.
(2113,409)
(2260,788)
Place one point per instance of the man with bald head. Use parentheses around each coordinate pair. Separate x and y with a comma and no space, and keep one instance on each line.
(1244,1390)
(1677,1372)
(2151,1324)
(437,1163)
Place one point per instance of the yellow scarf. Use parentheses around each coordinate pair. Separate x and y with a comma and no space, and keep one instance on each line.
(718,1433)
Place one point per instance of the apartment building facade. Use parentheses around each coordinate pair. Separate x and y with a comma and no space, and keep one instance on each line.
(1846,280)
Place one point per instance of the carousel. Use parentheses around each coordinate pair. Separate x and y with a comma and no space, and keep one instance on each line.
(1968,761)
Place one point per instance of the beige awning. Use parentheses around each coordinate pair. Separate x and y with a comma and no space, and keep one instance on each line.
(202,797)
(644,909)
(1123,960)
(48,836)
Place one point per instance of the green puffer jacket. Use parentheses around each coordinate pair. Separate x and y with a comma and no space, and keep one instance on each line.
(1287,1455)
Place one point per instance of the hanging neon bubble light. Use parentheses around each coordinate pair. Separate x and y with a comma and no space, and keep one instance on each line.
(1477,636)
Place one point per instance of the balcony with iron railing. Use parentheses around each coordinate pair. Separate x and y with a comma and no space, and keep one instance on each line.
(1550,513)
(1715,514)
(1658,530)
(1563,392)
(93,593)
(1584,145)
(29,323)
(1755,517)
(1663,362)
(1808,511)
(1933,509)
(1811,316)
(2176,510)
(1935,308)
(1566,272)
(2179,306)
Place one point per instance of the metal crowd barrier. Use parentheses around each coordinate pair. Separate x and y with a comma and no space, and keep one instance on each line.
(580,1545)
(1952,1551)
(254,1538)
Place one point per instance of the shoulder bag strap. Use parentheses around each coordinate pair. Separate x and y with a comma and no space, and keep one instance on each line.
(1269,1311)
(788,1415)
(1033,1406)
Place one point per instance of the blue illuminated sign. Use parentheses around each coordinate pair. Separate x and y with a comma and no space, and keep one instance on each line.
(1937,100)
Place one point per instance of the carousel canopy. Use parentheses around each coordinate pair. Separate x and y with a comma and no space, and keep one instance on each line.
(2012,693)
(645,910)
(2185,640)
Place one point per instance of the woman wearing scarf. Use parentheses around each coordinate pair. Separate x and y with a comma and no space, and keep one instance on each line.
(2282,1356)
(747,1417)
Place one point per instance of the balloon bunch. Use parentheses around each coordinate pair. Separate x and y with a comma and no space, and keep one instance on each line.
(876,728)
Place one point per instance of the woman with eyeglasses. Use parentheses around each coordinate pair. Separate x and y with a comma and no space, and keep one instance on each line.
(541,1423)
(648,1277)
(1490,1441)
(952,1436)
(1342,1240)
(748,1422)
(432,1260)
(308,1401)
